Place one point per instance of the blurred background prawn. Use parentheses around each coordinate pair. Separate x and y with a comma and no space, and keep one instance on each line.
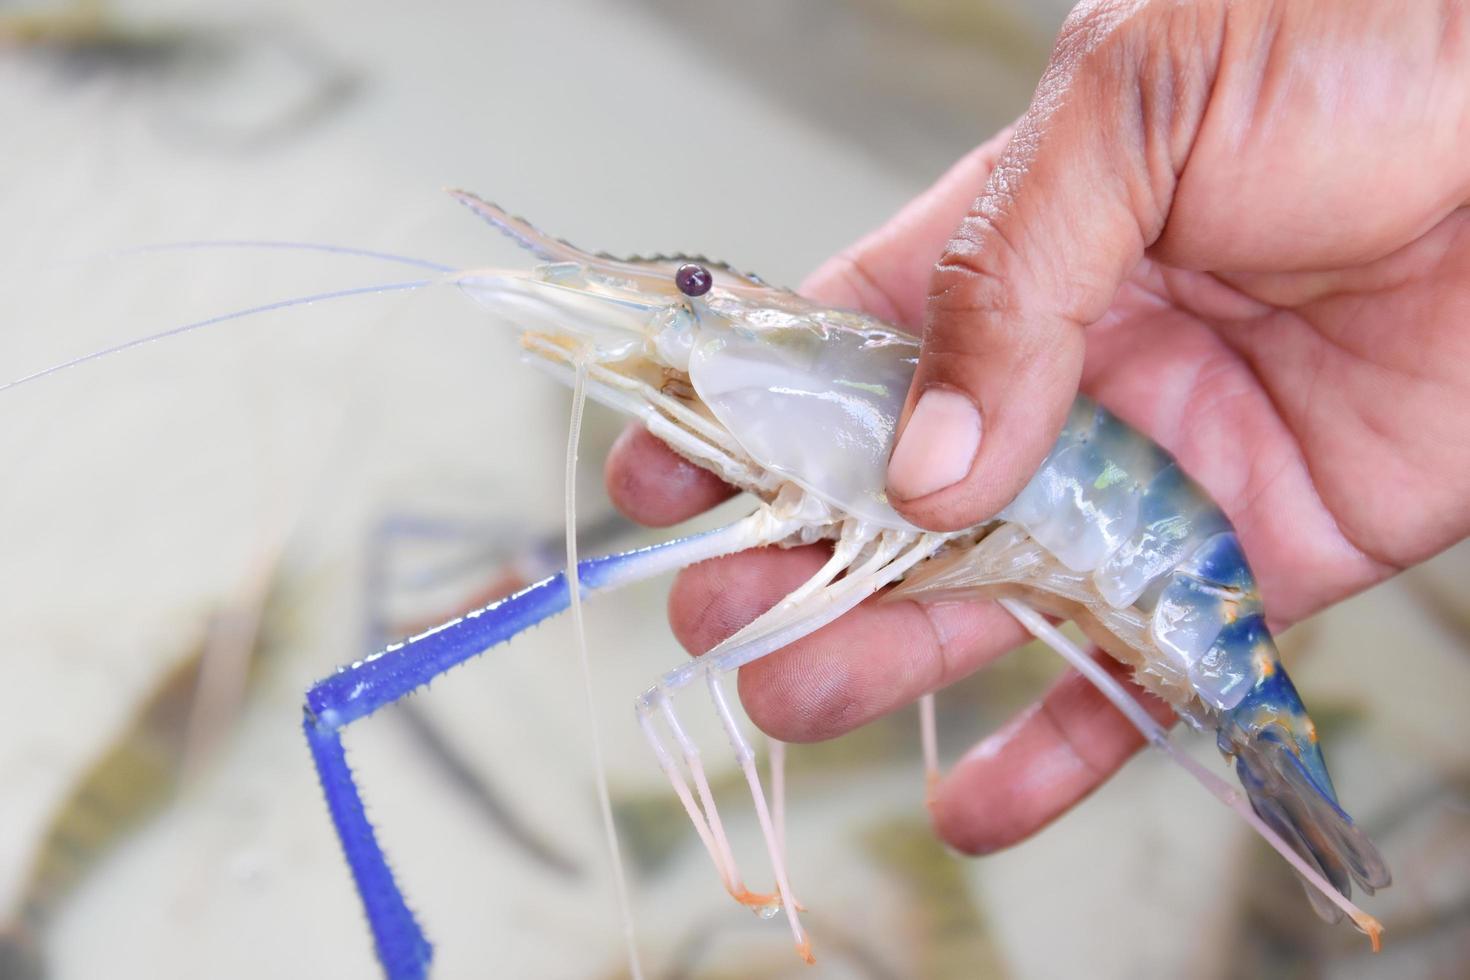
(140,497)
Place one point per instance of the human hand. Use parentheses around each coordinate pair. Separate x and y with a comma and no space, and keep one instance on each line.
(1243,229)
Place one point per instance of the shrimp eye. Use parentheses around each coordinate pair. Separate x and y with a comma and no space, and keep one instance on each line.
(693,280)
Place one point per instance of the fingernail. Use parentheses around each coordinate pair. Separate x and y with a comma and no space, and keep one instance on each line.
(937,447)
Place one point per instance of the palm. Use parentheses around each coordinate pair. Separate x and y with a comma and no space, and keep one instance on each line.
(1313,406)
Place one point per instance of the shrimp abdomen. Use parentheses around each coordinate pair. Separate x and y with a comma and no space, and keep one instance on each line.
(1111,526)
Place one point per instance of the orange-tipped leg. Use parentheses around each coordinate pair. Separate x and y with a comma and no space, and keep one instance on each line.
(702,815)
(1371,928)
(746,757)
(755,900)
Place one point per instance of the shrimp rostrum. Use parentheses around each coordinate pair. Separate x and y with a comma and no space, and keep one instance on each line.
(797,404)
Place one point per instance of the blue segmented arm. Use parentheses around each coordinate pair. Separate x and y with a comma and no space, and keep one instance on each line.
(357,690)
(360,689)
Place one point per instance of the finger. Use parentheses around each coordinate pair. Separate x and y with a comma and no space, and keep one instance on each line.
(874,660)
(653,485)
(886,273)
(1040,765)
(1081,189)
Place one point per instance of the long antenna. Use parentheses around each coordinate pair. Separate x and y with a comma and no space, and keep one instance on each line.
(214,320)
(574,591)
(284,246)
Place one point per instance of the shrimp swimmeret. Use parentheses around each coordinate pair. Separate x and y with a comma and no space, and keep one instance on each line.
(797,404)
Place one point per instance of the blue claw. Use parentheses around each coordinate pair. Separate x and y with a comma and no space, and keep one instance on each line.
(361,688)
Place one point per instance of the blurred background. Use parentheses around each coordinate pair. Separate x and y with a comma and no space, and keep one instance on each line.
(193,532)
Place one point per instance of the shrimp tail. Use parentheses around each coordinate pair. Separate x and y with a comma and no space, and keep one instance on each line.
(1283,772)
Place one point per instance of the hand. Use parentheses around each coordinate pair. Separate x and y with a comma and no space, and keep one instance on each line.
(1243,228)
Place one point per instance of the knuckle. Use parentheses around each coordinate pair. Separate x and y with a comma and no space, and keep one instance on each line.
(972,276)
(1092,29)
(1154,65)
(1103,33)
(1173,75)
(1150,67)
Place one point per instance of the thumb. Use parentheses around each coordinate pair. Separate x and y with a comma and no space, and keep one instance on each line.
(1080,191)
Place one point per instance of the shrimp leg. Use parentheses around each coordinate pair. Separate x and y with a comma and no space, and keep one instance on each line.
(505,559)
(704,815)
(873,564)
(363,687)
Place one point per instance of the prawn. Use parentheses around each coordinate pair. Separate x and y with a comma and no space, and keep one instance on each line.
(797,404)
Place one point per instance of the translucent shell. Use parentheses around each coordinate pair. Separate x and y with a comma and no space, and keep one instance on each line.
(1083,502)
(1107,501)
(813,396)
(1224,674)
(1174,518)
